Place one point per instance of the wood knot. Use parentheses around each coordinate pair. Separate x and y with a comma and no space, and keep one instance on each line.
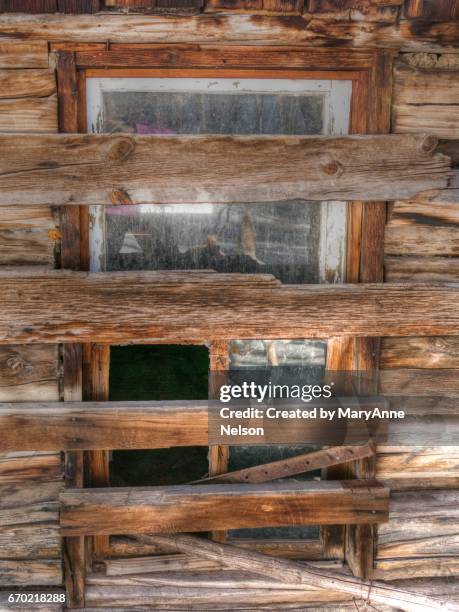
(119,197)
(121,149)
(429,144)
(332,168)
(17,364)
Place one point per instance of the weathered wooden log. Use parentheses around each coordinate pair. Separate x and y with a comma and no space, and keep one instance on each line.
(211,28)
(101,425)
(205,508)
(296,573)
(66,169)
(23,54)
(29,372)
(190,306)
(293,465)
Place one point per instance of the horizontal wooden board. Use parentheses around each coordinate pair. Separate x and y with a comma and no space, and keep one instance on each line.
(26,572)
(28,468)
(417,86)
(29,372)
(26,83)
(421,524)
(116,168)
(439,119)
(218,56)
(29,115)
(421,239)
(23,54)
(36,541)
(205,508)
(28,247)
(418,468)
(237,28)
(435,214)
(190,305)
(394,569)
(196,598)
(101,425)
(435,352)
(419,382)
(28,217)
(421,269)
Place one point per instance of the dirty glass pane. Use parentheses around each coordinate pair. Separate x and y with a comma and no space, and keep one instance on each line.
(212,113)
(281,239)
(301,354)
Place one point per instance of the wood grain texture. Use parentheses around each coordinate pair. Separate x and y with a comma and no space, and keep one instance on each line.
(27,83)
(439,119)
(124,546)
(192,305)
(418,467)
(29,372)
(24,572)
(203,508)
(431,530)
(436,352)
(422,568)
(418,86)
(421,269)
(238,28)
(216,168)
(224,56)
(304,574)
(24,115)
(23,54)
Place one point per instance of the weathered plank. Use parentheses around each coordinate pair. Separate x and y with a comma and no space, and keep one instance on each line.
(202,305)
(435,352)
(29,467)
(204,508)
(304,575)
(421,239)
(26,83)
(421,269)
(218,56)
(23,53)
(418,467)
(28,372)
(394,569)
(216,28)
(24,115)
(421,524)
(292,466)
(100,425)
(36,541)
(210,598)
(27,247)
(124,546)
(439,119)
(25,572)
(417,86)
(418,383)
(164,169)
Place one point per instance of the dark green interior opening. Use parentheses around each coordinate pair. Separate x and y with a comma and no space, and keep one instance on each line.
(158,372)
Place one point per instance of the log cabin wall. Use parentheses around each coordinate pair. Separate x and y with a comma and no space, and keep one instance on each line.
(30,482)
(421,244)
